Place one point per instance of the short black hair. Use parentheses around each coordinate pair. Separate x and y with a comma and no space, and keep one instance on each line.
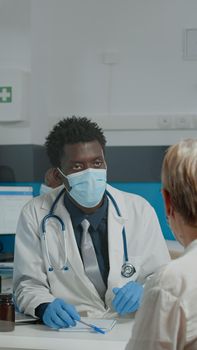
(69,131)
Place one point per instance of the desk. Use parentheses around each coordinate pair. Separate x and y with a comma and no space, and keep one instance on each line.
(40,337)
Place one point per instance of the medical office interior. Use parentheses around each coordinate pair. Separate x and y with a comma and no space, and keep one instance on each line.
(129,65)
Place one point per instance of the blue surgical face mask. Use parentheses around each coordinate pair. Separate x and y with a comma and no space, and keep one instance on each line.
(87,187)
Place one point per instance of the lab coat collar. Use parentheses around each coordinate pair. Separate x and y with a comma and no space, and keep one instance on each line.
(49,198)
(77,215)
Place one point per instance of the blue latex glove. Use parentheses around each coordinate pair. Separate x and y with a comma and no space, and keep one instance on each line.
(128,298)
(58,314)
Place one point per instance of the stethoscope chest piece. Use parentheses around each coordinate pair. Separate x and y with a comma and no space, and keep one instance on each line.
(127,270)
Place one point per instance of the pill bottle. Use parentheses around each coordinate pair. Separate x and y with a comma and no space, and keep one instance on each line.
(7,313)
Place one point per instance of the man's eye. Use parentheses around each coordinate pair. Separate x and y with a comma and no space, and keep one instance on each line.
(77,167)
(98,164)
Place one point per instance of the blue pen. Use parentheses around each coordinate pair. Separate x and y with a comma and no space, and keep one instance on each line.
(95,328)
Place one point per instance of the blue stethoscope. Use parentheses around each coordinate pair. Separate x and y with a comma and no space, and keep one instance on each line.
(127,269)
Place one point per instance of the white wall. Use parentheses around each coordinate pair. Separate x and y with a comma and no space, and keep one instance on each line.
(15,53)
(65,52)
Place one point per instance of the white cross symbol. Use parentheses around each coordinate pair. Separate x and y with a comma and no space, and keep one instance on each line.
(4,94)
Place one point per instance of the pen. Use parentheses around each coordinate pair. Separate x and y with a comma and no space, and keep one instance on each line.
(95,328)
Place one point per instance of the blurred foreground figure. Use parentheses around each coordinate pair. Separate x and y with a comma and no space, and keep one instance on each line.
(167,318)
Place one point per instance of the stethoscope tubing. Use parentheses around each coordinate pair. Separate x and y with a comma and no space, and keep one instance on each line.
(124,237)
(50,215)
(56,217)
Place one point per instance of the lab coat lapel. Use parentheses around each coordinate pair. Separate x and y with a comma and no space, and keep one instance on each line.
(74,258)
(73,255)
(115,242)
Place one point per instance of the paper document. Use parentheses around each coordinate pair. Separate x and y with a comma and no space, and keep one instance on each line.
(21,318)
(104,324)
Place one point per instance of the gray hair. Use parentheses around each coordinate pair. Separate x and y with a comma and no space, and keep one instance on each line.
(179,178)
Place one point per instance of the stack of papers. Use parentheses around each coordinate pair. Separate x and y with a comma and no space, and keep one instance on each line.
(21,318)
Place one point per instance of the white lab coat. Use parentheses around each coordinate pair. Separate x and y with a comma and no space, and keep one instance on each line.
(167,318)
(34,284)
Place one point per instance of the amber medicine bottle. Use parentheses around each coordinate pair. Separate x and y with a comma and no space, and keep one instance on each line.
(7,313)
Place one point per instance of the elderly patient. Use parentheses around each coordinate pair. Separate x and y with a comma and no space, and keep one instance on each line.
(167,318)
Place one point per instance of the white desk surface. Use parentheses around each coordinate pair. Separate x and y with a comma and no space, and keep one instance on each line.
(35,336)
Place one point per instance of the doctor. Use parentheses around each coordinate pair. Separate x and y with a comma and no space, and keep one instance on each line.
(63,268)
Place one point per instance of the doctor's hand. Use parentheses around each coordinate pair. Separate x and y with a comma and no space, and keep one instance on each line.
(59,314)
(128,298)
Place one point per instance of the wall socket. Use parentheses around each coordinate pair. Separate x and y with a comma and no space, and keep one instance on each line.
(182,122)
(165,122)
(177,122)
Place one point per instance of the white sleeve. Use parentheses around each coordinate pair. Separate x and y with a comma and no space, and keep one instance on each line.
(159,324)
(30,284)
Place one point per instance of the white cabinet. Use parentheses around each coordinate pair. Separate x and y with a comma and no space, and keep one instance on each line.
(14,86)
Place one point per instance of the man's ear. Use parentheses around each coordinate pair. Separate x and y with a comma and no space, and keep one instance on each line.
(167,202)
(57,174)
